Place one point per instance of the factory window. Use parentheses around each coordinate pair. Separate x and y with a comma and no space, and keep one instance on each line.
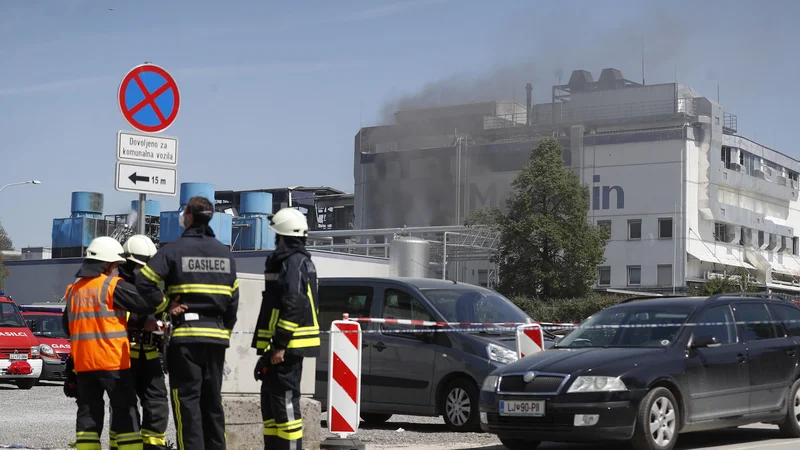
(725,156)
(635,229)
(665,274)
(634,275)
(795,242)
(604,276)
(760,238)
(721,232)
(665,228)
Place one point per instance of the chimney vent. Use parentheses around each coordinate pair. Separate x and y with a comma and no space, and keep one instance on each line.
(528,100)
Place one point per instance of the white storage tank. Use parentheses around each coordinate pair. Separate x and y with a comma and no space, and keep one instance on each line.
(410,257)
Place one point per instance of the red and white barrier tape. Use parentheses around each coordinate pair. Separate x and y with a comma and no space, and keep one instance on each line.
(428,323)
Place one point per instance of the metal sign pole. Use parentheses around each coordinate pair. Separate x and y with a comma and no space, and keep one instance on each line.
(140,218)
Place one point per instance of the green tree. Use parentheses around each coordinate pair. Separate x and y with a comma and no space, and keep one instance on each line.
(5,240)
(548,248)
(5,244)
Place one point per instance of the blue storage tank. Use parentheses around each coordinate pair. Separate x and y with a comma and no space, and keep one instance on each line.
(189,190)
(255,204)
(86,204)
(83,225)
(221,223)
(251,229)
(151,207)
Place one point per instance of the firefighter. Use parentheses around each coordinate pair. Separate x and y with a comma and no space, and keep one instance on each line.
(95,320)
(145,358)
(199,275)
(287,330)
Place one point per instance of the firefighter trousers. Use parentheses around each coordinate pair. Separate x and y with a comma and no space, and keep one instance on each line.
(280,405)
(152,392)
(195,376)
(118,384)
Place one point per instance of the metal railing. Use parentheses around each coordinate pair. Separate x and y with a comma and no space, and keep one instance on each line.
(730,123)
(564,113)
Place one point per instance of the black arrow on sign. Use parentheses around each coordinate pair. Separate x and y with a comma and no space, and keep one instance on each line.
(134,178)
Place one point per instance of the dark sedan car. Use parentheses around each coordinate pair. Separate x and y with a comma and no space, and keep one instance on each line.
(648,369)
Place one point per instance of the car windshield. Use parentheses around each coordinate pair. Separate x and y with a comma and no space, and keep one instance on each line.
(48,326)
(635,325)
(474,306)
(10,316)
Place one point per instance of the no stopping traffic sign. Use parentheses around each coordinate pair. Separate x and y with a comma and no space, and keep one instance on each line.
(149,98)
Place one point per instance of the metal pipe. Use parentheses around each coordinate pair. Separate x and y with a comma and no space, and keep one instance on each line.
(140,219)
(385,231)
(444,257)
(374,245)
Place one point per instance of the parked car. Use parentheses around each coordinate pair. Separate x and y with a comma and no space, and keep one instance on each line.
(427,372)
(20,363)
(648,369)
(44,320)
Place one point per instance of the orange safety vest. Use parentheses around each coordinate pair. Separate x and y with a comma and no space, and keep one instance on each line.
(98,331)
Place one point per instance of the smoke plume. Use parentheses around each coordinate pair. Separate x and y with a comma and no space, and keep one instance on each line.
(683,41)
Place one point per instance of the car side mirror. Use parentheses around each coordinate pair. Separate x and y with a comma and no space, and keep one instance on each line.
(704,341)
(32,326)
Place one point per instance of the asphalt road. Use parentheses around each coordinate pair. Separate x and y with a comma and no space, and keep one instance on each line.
(43,418)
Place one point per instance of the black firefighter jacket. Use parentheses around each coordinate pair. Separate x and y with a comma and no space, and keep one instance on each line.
(136,321)
(202,271)
(288,317)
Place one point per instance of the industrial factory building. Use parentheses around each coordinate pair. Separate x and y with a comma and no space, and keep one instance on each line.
(686,198)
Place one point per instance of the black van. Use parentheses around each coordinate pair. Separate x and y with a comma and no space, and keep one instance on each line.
(428,372)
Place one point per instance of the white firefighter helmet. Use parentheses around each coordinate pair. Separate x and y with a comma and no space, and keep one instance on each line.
(289,222)
(105,249)
(139,249)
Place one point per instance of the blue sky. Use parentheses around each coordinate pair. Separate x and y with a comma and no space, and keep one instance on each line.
(273,93)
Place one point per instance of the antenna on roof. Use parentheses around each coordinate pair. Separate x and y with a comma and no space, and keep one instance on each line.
(643,83)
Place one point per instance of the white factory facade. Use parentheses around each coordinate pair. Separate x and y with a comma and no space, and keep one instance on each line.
(686,198)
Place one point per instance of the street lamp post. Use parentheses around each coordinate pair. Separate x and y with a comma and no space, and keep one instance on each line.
(21,182)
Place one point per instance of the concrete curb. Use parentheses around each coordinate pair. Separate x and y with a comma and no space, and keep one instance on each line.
(245,430)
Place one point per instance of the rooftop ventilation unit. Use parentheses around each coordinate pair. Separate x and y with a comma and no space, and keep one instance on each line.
(580,81)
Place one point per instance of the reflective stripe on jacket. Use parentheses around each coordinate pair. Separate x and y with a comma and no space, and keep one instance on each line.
(200,270)
(98,331)
(288,318)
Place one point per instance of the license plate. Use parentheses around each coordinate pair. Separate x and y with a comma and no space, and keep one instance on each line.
(533,408)
(17,356)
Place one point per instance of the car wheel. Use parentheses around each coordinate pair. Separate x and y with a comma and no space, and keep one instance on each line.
(519,444)
(657,421)
(26,384)
(460,405)
(790,426)
(375,418)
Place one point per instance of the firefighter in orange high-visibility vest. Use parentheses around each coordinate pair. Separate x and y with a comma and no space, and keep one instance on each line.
(95,320)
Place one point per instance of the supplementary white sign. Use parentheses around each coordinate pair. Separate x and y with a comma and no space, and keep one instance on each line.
(146,179)
(146,148)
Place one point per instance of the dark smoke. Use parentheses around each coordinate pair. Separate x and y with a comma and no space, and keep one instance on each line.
(555,49)
(503,83)
(688,41)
